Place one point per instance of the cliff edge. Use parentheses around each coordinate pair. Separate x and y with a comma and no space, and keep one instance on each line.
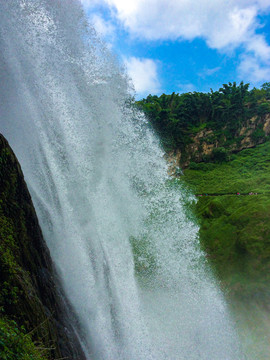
(33,322)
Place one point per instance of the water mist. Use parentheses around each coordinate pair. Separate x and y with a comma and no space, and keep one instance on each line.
(104,200)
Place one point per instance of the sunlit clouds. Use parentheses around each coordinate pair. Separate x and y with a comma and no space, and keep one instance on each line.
(144,75)
(230,27)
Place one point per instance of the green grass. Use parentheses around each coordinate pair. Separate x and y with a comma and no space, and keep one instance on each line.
(235,230)
(248,171)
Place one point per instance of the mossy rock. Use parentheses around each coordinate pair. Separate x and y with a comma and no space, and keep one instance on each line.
(29,299)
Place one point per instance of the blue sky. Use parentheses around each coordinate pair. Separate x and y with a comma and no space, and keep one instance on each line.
(186,45)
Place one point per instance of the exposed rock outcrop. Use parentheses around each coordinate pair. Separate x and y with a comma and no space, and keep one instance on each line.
(208,143)
(28,291)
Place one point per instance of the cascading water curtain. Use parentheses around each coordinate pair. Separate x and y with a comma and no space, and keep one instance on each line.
(126,253)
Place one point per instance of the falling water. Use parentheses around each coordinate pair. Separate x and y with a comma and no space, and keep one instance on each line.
(115,224)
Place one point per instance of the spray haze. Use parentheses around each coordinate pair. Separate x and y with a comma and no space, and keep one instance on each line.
(103,197)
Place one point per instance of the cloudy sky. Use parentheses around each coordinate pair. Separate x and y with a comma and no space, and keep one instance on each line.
(186,45)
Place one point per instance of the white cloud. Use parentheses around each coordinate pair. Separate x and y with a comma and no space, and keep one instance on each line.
(144,75)
(104,28)
(258,45)
(88,4)
(188,87)
(220,22)
(233,31)
(253,70)
(209,72)
(225,25)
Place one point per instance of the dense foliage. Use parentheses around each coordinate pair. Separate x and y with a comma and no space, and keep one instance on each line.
(235,229)
(176,117)
(16,344)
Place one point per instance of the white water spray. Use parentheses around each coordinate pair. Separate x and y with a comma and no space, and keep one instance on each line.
(103,197)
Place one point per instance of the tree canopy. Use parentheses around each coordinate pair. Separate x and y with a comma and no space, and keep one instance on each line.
(175,117)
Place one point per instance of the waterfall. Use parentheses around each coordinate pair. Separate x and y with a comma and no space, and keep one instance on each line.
(122,243)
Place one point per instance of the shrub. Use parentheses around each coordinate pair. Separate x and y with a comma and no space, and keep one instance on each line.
(15,344)
(220,154)
(258,134)
(263,108)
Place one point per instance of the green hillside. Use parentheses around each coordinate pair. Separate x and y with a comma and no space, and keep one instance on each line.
(235,229)
(221,140)
(210,126)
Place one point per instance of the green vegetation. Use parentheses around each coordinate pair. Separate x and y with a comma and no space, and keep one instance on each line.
(205,133)
(21,310)
(16,344)
(177,118)
(248,171)
(32,320)
(235,230)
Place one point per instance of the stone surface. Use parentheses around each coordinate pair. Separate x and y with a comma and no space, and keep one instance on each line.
(28,291)
(205,141)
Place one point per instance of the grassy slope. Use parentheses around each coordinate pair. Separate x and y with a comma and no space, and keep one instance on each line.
(235,230)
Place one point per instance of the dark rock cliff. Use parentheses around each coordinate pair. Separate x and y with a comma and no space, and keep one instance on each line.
(29,297)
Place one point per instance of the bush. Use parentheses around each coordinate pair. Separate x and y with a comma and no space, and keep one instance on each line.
(201,166)
(15,344)
(220,154)
(263,108)
(193,166)
(258,134)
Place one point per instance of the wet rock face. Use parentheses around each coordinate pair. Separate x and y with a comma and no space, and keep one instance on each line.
(28,291)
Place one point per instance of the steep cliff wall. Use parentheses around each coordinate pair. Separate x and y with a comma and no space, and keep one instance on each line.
(31,306)
(210,144)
